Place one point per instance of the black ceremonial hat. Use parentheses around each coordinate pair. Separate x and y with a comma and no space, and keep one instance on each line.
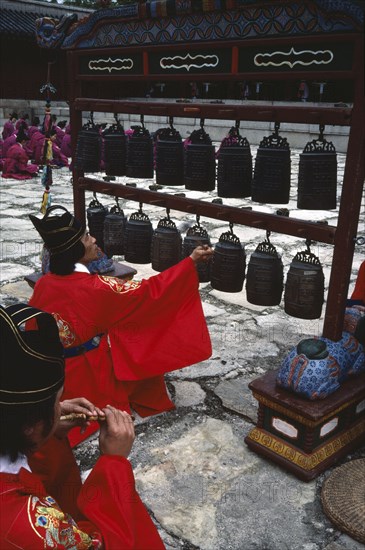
(60,233)
(32,363)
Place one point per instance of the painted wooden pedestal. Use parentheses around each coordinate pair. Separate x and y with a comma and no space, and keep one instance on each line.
(307,437)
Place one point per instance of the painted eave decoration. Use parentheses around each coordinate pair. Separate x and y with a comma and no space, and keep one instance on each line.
(163,22)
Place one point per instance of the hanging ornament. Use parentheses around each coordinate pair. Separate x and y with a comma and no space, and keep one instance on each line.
(46,176)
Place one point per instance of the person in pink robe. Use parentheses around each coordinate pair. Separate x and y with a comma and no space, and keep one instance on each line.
(16,162)
(1,155)
(59,129)
(9,142)
(66,142)
(9,126)
(22,121)
(36,149)
(36,146)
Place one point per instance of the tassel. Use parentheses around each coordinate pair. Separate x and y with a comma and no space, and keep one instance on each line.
(46,201)
(46,178)
(49,155)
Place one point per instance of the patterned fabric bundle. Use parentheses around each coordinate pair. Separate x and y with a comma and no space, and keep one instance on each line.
(317,367)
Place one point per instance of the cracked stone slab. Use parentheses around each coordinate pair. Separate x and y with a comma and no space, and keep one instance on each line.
(208,488)
(236,395)
(188,394)
(185,485)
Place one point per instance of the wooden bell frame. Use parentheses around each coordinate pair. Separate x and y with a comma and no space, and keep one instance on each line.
(343,236)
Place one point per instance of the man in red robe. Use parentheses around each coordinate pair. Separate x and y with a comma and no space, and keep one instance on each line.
(43,503)
(120,337)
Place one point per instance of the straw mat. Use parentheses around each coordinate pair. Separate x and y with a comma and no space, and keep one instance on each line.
(343,498)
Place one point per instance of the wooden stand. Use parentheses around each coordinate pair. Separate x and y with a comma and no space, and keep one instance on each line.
(307,437)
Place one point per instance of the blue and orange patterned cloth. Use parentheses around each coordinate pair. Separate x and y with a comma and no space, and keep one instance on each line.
(317,367)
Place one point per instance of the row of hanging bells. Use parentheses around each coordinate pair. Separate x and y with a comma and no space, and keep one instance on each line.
(194,164)
(164,247)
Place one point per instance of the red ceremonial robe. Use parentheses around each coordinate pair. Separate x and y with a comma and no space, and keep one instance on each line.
(359,290)
(16,164)
(50,508)
(150,327)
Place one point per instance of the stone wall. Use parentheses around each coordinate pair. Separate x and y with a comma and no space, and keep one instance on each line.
(297,134)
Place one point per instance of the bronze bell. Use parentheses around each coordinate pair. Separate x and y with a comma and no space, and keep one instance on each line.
(88,147)
(166,245)
(140,153)
(304,288)
(199,161)
(138,238)
(115,149)
(96,213)
(271,180)
(264,283)
(234,172)
(114,226)
(229,263)
(169,157)
(197,235)
(317,176)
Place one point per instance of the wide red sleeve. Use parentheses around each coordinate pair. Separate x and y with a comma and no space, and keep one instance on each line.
(108,498)
(164,328)
(359,290)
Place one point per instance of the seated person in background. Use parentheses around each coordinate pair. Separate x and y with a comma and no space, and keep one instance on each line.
(9,126)
(59,129)
(43,503)
(22,121)
(16,163)
(34,127)
(9,142)
(66,142)
(59,158)
(36,150)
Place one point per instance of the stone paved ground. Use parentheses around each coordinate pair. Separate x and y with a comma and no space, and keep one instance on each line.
(203,486)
